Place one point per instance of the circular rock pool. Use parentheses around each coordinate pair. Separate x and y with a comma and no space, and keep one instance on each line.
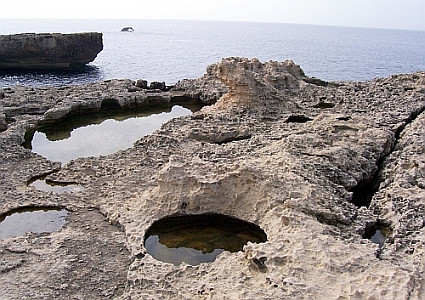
(195,239)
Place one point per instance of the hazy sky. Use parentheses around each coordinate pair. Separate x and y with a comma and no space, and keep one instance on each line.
(401,14)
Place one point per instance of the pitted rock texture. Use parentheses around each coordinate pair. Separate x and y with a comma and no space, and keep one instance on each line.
(286,160)
(250,80)
(48,105)
(401,197)
(87,260)
(30,51)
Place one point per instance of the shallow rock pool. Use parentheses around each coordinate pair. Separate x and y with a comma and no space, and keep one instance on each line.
(98,134)
(31,219)
(195,239)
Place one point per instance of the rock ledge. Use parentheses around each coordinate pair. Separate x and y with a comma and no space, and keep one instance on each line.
(31,51)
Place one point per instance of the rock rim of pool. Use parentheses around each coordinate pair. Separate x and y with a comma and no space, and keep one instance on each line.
(313,163)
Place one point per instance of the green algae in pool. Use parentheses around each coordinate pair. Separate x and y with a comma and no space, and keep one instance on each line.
(195,239)
(99,134)
(31,219)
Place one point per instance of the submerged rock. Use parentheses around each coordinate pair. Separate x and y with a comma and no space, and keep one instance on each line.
(276,148)
(31,51)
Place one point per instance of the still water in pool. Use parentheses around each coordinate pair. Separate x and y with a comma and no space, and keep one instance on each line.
(42,185)
(380,235)
(195,239)
(96,135)
(37,220)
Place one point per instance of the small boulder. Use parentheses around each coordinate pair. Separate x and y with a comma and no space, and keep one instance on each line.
(143,84)
(155,85)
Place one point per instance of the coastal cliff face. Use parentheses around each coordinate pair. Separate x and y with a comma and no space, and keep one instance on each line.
(315,164)
(31,51)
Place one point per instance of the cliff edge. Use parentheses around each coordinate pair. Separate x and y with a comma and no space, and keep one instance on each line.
(31,51)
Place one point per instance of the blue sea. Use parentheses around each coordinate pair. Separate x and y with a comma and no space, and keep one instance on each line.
(160,50)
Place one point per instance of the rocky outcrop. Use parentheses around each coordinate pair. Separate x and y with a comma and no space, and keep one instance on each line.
(127,29)
(279,149)
(249,81)
(155,85)
(31,51)
(55,104)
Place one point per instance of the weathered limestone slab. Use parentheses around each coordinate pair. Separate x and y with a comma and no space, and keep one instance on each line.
(281,150)
(29,51)
(400,200)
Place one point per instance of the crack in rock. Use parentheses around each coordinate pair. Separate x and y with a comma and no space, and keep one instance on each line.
(367,188)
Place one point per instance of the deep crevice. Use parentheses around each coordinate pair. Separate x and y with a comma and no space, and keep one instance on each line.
(364,191)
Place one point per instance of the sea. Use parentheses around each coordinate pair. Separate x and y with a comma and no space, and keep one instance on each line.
(166,50)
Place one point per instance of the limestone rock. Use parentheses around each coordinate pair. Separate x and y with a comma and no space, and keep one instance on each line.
(143,84)
(155,85)
(250,81)
(281,150)
(49,51)
(208,89)
(400,201)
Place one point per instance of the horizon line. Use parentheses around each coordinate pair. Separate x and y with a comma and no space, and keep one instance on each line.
(211,20)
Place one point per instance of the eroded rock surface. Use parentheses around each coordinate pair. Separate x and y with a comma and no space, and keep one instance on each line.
(87,259)
(29,51)
(282,150)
